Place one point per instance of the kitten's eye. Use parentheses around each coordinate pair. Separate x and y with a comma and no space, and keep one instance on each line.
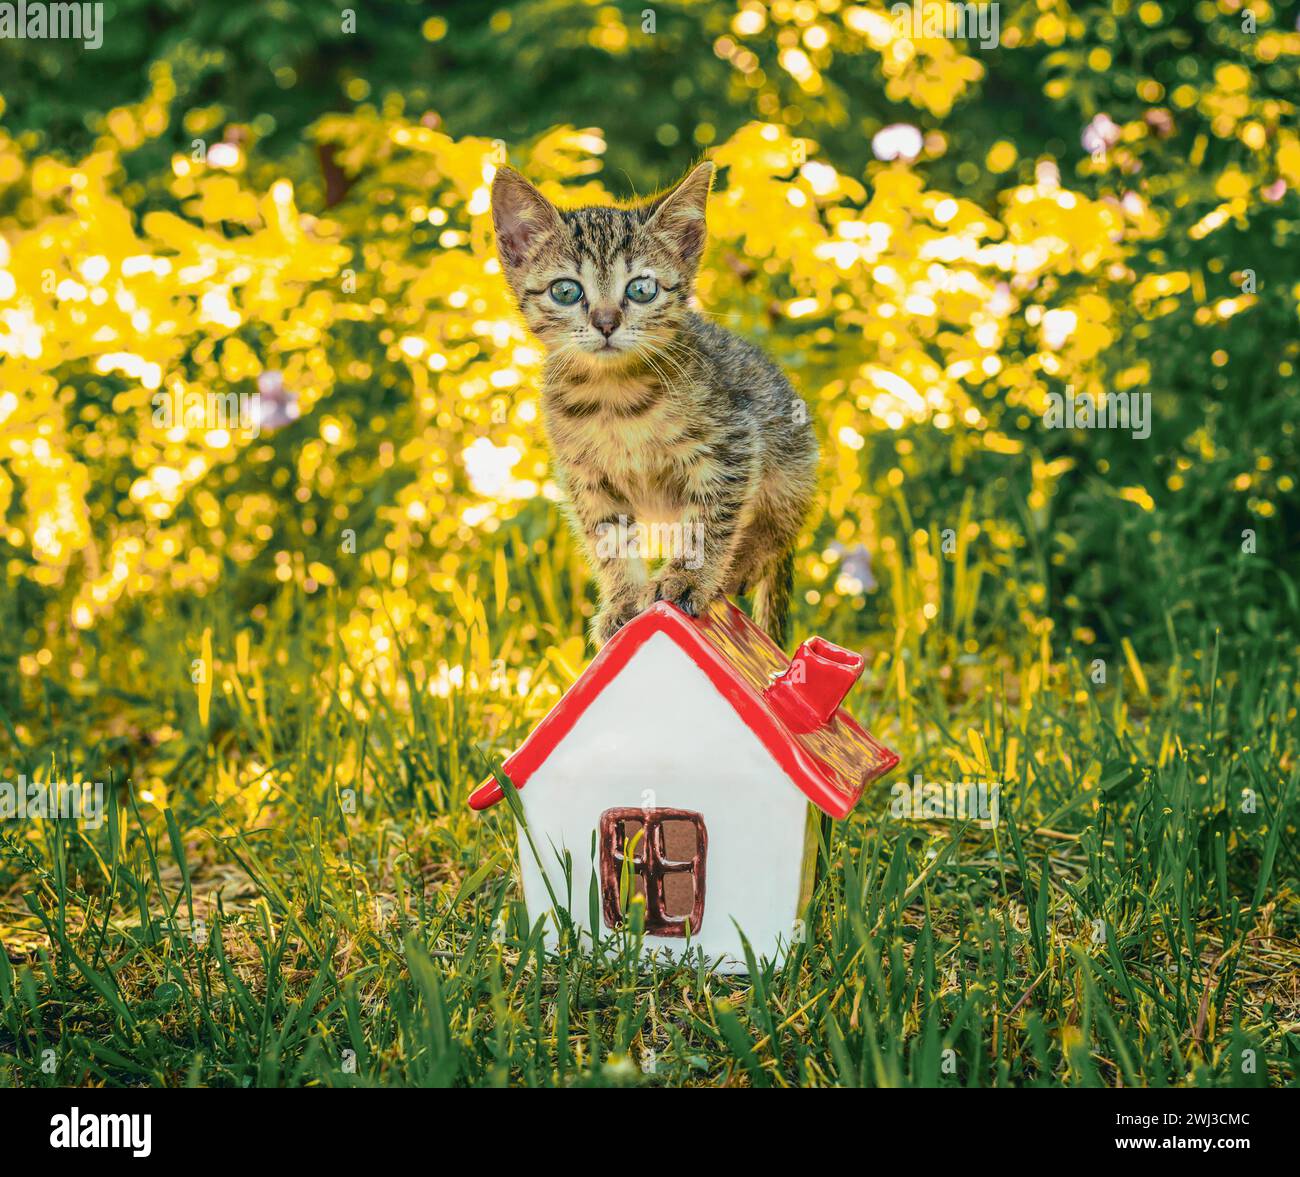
(642,289)
(565,291)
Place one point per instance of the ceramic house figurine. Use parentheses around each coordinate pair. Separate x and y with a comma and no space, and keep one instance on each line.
(699,734)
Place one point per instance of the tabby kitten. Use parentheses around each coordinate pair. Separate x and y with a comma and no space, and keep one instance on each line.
(658,419)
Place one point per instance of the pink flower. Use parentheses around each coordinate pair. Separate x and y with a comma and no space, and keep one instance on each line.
(276,405)
(1100,135)
(855,567)
(1160,121)
(1133,204)
(897,141)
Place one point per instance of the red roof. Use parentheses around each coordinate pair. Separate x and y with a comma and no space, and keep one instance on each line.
(791,705)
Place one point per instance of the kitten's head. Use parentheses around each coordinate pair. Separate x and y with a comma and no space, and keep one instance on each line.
(603,285)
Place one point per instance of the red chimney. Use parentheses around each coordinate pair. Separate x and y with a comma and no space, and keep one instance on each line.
(809,691)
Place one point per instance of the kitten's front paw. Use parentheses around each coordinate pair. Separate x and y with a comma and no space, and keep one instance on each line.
(611,619)
(681,589)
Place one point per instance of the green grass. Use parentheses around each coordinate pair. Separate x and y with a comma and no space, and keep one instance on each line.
(1130,921)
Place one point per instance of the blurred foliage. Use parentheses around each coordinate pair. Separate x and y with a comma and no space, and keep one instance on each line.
(932,238)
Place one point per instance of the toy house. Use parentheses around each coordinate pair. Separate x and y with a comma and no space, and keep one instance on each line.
(698,747)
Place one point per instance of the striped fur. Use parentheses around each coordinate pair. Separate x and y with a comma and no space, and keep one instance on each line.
(655,415)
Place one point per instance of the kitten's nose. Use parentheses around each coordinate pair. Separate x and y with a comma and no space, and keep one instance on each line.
(606,320)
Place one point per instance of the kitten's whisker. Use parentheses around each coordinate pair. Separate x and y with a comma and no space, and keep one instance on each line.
(565,359)
(674,352)
(676,365)
(652,355)
(662,377)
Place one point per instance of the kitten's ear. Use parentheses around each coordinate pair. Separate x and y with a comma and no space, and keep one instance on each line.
(679,216)
(521,215)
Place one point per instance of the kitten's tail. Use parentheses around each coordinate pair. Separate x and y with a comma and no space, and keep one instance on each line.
(772,598)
